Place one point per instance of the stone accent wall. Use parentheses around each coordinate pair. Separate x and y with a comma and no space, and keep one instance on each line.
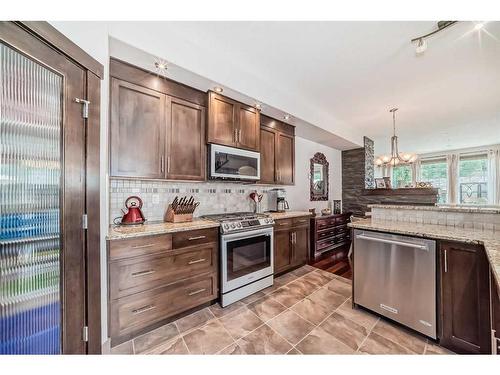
(353,181)
(369,163)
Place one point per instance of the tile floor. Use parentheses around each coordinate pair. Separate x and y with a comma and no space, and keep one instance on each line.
(307,311)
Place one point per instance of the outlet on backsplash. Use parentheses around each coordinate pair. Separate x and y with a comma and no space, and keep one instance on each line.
(215,197)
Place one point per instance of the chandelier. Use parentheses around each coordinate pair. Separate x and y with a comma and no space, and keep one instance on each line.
(395,157)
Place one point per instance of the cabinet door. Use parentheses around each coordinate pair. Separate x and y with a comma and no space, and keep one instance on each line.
(248,128)
(301,245)
(495,314)
(282,251)
(285,159)
(267,155)
(222,120)
(464,298)
(137,131)
(186,140)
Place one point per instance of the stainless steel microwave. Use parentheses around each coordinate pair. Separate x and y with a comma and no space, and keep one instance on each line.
(233,163)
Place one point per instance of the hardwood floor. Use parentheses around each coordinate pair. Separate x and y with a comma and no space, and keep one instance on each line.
(331,263)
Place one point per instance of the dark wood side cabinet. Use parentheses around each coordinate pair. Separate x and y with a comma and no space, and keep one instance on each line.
(232,123)
(330,234)
(291,243)
(464,298)
(154,134)
(277,152)
(495,314)
(153,279)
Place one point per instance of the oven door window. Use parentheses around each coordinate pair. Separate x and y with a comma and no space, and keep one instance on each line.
(248,255)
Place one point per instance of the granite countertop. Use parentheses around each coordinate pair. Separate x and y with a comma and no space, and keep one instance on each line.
(489,239)
(117,232)
(288,214)
(441,208)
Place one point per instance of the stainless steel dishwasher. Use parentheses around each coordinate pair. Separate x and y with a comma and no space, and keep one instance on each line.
(395,276)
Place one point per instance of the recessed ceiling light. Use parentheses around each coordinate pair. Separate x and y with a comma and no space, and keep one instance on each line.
(286,117)
(218,89)
(161,67)
(258,105)
(478,26)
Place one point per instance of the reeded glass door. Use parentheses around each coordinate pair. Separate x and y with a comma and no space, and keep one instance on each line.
(31,118)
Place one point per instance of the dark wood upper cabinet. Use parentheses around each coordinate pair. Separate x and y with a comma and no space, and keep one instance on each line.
(137,131)
(286,159)
(232,123)
(249,128)
(186,140)
(155,134)
(465,315)
(267,155)
(277,152)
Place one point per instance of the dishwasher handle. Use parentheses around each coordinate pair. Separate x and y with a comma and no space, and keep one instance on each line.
(392,242)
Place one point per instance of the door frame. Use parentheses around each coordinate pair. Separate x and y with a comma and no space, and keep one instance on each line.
(93,72)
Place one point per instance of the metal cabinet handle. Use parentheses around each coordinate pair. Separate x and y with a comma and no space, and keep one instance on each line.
(141,310)
(143,273)
(196,238)
(168,164)
(239,135)
(162,164)
(281,224)
(197,261)
(495,342)
(445,261)
(236,135)
(302,221)
(143,246)
(197,292)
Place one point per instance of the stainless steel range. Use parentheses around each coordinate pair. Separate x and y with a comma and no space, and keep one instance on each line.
(247,261)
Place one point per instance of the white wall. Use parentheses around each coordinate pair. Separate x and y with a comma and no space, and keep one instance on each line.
(93,37)
(298,195)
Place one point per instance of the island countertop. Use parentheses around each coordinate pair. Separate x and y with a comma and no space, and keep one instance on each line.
(489,239)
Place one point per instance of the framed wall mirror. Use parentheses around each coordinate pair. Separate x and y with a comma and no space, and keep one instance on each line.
(319,177)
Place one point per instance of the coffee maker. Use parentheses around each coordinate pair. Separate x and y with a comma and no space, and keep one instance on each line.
(277,200)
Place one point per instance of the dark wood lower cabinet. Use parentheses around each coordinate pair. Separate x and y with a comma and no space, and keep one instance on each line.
(291,243)
(155,278)
(495,314)
(464,305)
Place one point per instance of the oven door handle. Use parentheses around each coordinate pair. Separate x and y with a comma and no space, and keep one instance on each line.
(242,235)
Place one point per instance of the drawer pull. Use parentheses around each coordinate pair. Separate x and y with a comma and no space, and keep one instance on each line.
(302,221)
(141,310)
(197,292)
(196,238)
(143,246)
(281,224)
(197,261)
(142,273)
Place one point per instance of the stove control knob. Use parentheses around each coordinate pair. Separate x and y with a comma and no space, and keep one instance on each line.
(233,226)
(238,225)
(226,226)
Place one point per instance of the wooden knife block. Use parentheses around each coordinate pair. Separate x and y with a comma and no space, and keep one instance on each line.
(172,217)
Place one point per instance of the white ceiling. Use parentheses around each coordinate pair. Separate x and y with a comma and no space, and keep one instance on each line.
(345,76)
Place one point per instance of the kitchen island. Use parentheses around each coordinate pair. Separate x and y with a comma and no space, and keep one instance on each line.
(467,266)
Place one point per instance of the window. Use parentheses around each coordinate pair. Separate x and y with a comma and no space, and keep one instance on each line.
(435,172)
(401,176)
(473,179)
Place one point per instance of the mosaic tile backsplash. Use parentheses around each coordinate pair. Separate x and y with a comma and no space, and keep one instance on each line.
(214,197)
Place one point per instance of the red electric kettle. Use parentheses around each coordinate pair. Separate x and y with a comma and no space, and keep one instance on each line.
(134,214)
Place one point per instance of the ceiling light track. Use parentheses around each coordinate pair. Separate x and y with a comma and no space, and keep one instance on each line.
(441,26)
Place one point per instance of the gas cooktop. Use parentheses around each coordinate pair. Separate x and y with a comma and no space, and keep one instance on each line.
(240,221)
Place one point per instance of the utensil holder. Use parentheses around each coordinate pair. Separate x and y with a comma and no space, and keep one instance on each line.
(172,217)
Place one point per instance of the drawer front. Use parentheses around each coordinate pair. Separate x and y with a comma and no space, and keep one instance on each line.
(132,247)
(195,237)
(138,311)
(136,275)
(327,233)
(303,220)
(325,223)
(342,220)
(283,224)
